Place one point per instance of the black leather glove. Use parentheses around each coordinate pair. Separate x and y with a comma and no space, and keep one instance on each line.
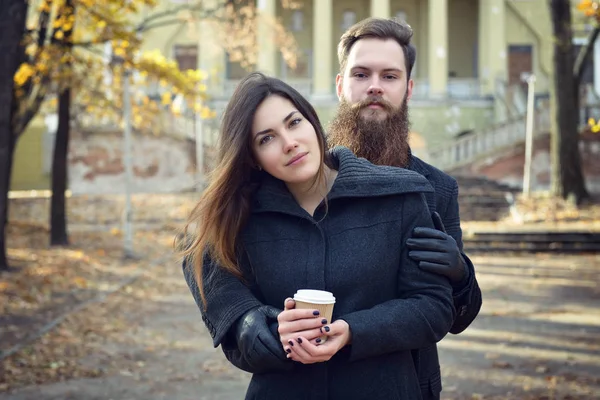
(437,252)
(255,339)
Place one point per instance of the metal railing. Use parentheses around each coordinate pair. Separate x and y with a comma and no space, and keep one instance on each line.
(457,88)
(488,141)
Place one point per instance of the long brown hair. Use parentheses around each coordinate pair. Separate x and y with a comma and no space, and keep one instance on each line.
(224,205)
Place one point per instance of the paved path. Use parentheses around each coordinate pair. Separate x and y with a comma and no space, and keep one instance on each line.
(536,337)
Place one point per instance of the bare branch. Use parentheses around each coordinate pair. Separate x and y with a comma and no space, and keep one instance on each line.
(168,13)
(584,55)
(163,23)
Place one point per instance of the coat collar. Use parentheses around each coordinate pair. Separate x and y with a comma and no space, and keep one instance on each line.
(357,177)
(417,165)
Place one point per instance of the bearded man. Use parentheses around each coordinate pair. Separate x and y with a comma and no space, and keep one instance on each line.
(374,86)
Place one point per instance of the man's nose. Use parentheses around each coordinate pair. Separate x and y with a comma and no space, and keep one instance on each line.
(375,89)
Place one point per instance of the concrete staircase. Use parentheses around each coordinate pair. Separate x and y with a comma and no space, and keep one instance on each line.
(482,199)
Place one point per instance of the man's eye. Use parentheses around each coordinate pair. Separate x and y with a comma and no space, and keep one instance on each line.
(360,75)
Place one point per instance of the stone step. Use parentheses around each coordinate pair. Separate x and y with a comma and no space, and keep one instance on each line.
(533,242)
(482,199)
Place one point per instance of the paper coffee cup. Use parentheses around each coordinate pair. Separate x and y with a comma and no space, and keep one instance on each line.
(316,300)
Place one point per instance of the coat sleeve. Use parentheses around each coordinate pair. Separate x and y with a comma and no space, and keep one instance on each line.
(227,298)
(467,296)
(421,316)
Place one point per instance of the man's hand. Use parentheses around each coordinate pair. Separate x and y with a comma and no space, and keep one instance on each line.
(437,252)
(253,326)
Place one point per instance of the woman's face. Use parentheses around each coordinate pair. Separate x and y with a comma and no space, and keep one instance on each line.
(285,143)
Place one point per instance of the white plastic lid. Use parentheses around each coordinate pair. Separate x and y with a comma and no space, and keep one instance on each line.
(314,296)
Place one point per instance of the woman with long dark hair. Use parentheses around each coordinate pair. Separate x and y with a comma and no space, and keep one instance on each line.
(281,213)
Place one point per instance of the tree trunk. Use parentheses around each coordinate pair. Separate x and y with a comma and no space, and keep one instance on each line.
(12,26)
(58,207)
(567,173)
(58,217)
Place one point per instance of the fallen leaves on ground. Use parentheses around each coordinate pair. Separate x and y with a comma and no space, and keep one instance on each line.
(106,208)
(45,283)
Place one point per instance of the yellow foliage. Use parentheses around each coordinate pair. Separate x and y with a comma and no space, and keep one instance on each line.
(590,8)
(98,86)
(23,74)
(166,98)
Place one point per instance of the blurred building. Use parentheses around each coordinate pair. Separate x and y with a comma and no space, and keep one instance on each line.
(473,56)
(472,60)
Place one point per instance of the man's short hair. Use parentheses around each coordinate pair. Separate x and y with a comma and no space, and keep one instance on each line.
(379,28)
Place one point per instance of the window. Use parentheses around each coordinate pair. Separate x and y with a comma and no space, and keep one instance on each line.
(186,56)
(401,15)
(348,19)
(297,21)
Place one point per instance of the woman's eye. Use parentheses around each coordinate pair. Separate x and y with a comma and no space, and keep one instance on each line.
(265,139)
(295,122)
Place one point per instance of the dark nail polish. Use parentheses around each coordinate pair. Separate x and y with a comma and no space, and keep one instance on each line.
(316,312)
(318,340)
(288,350)
(290,342)
(326,329)
(299,340)
(321,330)
(323,321)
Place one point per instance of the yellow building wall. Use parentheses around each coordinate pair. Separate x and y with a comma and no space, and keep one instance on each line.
(28,172)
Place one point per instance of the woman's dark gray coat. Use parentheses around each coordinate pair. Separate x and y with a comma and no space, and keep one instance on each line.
(355,248)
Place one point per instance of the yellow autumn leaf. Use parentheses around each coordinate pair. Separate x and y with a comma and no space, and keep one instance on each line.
(205,113)
(59,35)
(80,282)
(23,74)
(585,4)
(165,99)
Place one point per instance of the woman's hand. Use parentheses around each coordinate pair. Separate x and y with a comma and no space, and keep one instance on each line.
(304,351)
(298,323)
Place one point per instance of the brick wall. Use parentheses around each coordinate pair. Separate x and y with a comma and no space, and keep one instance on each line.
(160,164)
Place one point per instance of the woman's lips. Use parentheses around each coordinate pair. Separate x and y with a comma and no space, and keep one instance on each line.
(297,159)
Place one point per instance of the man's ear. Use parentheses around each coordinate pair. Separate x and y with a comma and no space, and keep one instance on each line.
(409,89)
(339,80)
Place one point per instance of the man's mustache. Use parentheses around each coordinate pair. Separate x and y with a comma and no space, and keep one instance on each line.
(374,100)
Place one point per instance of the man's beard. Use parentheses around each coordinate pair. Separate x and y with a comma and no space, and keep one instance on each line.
(382,142)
